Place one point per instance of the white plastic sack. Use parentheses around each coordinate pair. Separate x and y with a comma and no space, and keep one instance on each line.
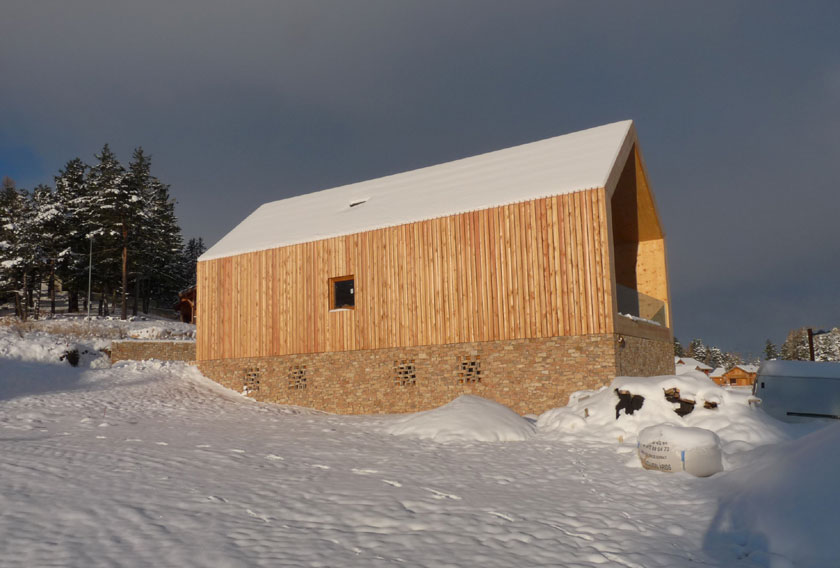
(675,448)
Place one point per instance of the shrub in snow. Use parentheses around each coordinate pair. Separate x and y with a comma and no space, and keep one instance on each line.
(48,348)
(71,356)
(678,448)
(467,418)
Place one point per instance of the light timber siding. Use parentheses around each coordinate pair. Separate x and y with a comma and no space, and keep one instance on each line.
(741,378)
(532,269)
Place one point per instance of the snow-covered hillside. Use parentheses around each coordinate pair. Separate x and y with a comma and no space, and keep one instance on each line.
(151,464)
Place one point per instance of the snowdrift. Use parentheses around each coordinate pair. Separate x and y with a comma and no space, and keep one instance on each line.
(612,414)
(781,509)
(467,418)
(654,401)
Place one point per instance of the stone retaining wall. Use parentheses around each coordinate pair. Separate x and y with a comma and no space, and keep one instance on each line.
(528,375)
(639,357)
(162,350)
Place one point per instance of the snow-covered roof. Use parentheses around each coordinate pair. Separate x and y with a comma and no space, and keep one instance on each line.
(747,368)
(693,363)
(718,372)
(564,164)
(803,369)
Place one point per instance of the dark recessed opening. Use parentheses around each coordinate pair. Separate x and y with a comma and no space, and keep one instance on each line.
(342,293)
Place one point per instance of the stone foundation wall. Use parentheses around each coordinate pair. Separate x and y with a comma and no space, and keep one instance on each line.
(644,357)
(142,350)
(528,375)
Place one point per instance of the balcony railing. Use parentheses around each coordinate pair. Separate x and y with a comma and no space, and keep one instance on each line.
(634,303)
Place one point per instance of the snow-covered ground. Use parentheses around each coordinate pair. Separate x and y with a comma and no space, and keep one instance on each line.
(151,464)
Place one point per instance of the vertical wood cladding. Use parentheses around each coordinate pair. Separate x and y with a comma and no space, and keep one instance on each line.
(527,270)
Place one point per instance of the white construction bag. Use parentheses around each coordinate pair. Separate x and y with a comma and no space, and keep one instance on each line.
(676,448)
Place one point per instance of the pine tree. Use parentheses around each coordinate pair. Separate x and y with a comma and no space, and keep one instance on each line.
(827,346)
(11,213)
(678,348)
(47,234)
(698,350)
(139,180)
(715,357)
(47,228)
(795,347)
(73,195)
(20,252)
(160,235)
(192,250)
(118,198)
(770,351)
(730,360)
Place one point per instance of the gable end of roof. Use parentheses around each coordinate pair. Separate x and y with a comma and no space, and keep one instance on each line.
(584,160)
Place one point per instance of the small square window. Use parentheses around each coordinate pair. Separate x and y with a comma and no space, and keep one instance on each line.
(468,370)
(405,373)
(342,293)
(251,380)
(297,377)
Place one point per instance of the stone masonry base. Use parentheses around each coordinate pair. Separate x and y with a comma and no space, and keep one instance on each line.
(142,350)
(528,375)
(644,357)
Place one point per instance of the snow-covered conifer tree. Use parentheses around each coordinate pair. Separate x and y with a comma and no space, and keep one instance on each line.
(770,351)
(795,347)
(715,357)
(46,231)
(160,237)
(827,346)
(20,252)
(74,198)
(117,210)
(192,250)
(698,350)
(729,360)
(11,212)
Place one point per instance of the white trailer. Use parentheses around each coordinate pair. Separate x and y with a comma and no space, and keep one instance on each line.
(799,391)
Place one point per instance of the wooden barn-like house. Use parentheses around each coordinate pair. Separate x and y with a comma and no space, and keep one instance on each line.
(520,275)
(739,376)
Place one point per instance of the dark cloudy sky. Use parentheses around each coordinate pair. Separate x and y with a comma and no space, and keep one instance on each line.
(737,105)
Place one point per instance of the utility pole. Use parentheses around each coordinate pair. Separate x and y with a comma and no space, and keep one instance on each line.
(811,334)
(90,272)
